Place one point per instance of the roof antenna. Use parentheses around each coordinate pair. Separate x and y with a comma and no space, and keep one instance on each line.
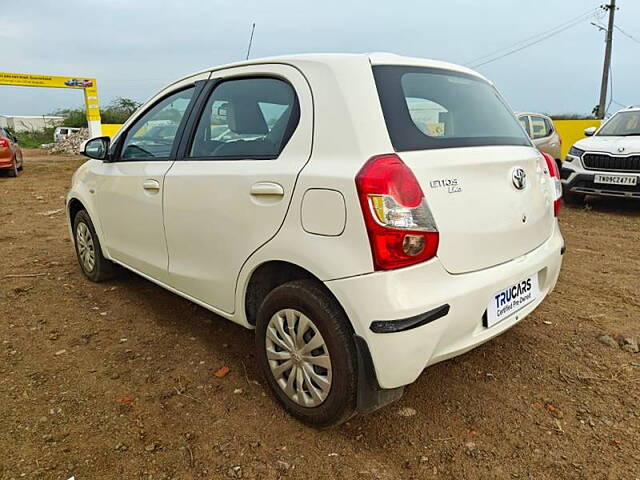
(253,27)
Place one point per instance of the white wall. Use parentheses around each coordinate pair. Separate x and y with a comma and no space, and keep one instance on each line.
(25,123)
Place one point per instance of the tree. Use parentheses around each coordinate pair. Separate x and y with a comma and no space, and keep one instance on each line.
(125,105)
(118,111)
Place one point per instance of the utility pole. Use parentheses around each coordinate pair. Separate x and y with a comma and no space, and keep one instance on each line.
(602,106)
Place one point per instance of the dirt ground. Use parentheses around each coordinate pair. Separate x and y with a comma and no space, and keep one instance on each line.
(116,380)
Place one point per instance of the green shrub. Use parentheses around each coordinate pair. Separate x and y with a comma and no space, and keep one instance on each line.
(118,111)
(34,138)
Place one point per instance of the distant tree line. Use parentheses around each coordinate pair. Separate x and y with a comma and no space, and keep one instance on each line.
(572,116)
(118,111)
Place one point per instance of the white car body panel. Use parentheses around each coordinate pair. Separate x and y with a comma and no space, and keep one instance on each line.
(613,145)
(400,357)
(500,226)
(210,207)
(203,235)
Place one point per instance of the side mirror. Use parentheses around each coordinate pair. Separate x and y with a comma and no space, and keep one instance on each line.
(590,131)
(97,148)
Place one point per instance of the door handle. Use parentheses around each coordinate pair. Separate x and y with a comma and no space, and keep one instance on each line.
(152,185)
(267,188)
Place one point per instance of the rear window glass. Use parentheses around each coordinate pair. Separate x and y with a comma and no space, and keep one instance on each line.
(427,108)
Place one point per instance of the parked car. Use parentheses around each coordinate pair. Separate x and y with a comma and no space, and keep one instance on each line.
(60,133)
(371,215)
(10,153)
(543,133)
(607,163)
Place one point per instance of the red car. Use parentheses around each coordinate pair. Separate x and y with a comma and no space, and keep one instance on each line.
(10,153)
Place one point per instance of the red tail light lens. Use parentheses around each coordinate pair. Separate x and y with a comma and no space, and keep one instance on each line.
(4,143)
(401,229)
(554,173)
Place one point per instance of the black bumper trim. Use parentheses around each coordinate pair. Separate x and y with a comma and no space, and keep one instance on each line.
(391,326)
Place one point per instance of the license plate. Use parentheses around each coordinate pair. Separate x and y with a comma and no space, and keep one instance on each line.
(616,179)
(508,301)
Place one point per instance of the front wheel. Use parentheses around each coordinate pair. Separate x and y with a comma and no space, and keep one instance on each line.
(94,265)
(306,351)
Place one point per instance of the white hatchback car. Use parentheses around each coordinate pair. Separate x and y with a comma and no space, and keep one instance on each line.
(368,215)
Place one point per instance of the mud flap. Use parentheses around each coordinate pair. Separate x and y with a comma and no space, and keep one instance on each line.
(371,396)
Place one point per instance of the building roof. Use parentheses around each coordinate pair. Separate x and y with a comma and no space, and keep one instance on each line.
(32,116)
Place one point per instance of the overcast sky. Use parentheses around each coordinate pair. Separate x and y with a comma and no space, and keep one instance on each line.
(134,47)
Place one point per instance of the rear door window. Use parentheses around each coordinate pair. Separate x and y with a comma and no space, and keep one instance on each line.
(427,108)
(246,118)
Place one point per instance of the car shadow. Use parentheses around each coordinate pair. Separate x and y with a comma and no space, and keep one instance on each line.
(435,391)
(610,205)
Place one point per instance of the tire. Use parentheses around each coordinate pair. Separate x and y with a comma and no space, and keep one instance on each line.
(571,198)
(307,300)
(14,170)
(86,243)
(21,167)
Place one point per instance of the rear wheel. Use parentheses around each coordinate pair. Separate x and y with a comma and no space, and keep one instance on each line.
(14,170)
(306,352)
(94,265)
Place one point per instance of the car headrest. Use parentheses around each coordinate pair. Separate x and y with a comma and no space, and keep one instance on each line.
(245,117)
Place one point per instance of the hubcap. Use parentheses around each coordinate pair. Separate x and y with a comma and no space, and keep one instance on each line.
(298,357)
(86,250)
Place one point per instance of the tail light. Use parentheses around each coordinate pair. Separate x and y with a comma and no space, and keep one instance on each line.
(554,173)
(4,143)
(401,229)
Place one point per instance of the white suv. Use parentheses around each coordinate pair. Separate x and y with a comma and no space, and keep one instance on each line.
(608,163)
(368,215)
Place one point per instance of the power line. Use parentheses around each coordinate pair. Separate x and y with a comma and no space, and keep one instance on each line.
(610,90)
(500,50)
(626,34)
(620,104)
(516,50)
(532,40)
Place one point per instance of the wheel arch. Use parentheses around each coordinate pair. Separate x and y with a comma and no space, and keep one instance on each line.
(269,275)
(73,207)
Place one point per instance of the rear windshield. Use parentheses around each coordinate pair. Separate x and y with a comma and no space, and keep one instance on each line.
(426,108)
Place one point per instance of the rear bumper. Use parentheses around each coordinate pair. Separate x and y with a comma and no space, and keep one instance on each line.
(399,357)
(577,179)
(6,159)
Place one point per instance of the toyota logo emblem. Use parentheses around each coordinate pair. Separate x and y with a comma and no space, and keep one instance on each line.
(519,178)
(620,149)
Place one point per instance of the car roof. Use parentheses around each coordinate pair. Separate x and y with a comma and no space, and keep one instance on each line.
(631,108)
(337,60)
(538,114)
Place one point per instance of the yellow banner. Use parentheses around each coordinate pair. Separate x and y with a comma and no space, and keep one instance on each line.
(88,85)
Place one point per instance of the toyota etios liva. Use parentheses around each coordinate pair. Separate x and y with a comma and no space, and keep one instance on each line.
(368,215)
